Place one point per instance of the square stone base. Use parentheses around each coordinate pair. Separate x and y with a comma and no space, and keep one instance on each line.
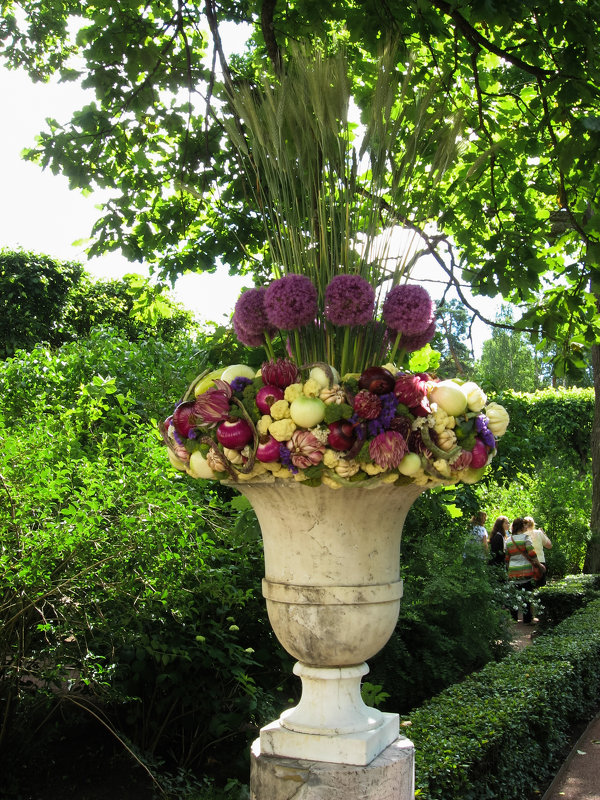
(390,776)
(349,748)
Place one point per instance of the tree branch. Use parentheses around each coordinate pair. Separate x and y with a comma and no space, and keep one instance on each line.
(267,27)
(211,18)
(473,36)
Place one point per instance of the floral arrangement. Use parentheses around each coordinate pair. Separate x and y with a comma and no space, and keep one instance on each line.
(383,424)
(345,406)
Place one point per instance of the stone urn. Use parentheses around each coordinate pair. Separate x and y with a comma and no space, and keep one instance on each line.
(332,587)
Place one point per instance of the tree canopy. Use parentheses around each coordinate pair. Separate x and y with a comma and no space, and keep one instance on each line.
(518,211)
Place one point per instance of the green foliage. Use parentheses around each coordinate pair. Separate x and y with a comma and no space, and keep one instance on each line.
(121,576)
(560,599)
(131,305)
(132,587)
(451,340)
(544,425)
(469,738)
(34,289)
(507,363)
(95,379)
(55,302)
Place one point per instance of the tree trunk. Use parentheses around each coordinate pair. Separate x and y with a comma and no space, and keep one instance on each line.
(592,556)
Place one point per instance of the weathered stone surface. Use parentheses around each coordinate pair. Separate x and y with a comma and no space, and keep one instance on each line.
(359,748)
(332,567)
(390,776)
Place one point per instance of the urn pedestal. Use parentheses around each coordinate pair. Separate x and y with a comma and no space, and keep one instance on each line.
(332,588)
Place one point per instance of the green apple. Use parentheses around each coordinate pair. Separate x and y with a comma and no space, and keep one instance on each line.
(410,464)
(307,412)
(198,467)
(449,398)
(471,475)
(237,371)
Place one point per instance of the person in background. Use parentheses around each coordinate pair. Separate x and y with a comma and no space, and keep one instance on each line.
(540,540)
(521,557)
(478,531)
(496,541)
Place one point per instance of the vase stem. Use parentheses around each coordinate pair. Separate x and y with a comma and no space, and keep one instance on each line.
(331,702)
(331,722)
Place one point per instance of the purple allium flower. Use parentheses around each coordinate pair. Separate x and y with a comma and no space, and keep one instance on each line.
(249,339)
(416,341)
(249,318)
(349,300)
(485,434)
(388,449)
(250,310)
(291,302)
(409,309)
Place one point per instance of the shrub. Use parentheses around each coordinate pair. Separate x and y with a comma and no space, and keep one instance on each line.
(469,738)
(560,599)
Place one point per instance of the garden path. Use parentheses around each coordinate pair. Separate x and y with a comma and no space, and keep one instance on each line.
(522,635)
(579,776)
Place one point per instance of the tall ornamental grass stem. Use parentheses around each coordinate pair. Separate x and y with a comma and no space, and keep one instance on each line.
(331,193)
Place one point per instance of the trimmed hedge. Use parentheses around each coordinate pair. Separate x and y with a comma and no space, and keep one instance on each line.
(501,733)
(562,598)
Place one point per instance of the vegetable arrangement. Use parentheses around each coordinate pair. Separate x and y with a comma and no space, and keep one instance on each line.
(382,425)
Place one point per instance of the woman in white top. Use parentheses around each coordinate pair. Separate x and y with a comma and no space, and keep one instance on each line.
(539,541)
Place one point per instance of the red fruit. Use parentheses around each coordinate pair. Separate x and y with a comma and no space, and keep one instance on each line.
(378,380)
(480,455)
(234,434)
(341,435)
(266,396)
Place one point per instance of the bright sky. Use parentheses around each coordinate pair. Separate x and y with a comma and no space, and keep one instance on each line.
(39,212)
